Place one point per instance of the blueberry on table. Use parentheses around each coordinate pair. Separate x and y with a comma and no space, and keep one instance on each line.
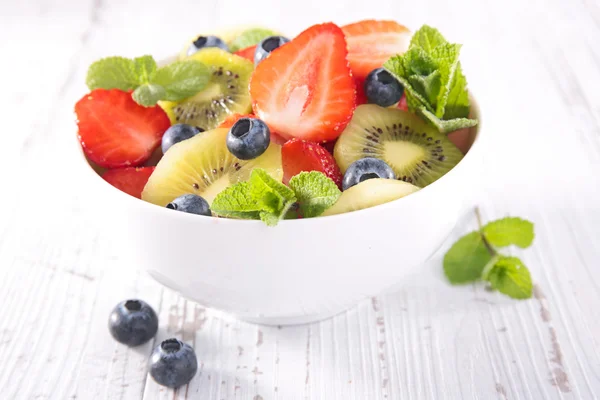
(133,322)
(192,204)
(366,168)
(266,46)
(248,138)
(173,363)
(382,88)
(178,133)
(203,42)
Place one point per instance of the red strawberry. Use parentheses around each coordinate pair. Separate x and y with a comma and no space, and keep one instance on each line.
(361,97)
(247,53)
(402,103)
(115,131)
(371,43)
(304,89)
(301,155)
(129,180)
(233,118)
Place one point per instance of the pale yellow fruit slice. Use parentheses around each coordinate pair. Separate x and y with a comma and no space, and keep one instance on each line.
(226,93)
(202,165)
(370,193)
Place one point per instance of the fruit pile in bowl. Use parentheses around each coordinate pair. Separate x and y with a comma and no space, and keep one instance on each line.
(286,130)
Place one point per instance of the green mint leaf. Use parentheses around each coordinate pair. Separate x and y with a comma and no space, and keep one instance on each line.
(112,73)
(433,81)
(510,276)
(458,103)
(445,126)
(396,66)
(466,259)
(182,79)
(269,218)
(145,68)
(446,56)
(249,38)
(509,231)
(236,201)
(427,38)
(148,95)
(272,195)
(428,86)
(315,192)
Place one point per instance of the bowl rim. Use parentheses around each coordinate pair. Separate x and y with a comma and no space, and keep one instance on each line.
(118,195)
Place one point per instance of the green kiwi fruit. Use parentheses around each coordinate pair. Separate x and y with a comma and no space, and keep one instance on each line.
(204,166)
(416,151)
(370,193)
(226,93)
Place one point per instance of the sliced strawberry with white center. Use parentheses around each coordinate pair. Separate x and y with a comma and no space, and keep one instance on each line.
(304,89)
(371,43)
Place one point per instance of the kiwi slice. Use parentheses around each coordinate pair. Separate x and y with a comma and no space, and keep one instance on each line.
(370,193)
(226,93)
(416,151)
(202,165)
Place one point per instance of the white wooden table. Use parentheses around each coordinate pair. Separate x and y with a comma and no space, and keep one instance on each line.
(535,67)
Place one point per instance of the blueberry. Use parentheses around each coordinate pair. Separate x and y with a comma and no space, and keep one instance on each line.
(190,203)
(366,168)
(266,46)
(248,138)
(203,42)
(173,363)
(382,88)
(133,322)
(178,133)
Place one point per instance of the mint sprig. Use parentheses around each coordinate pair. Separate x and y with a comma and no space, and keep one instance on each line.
(262,197)
(475,256)
(432,77)
(149,83)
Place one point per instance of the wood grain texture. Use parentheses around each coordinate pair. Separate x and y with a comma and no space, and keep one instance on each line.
(534,66)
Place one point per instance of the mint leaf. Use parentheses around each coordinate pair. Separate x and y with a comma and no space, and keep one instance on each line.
(427,38)
(428,86)
(112,73)
(466,259)
(510,276)
(274,197)
(509,231)
(458,103)
(182,79)
(433,81)
(236,201)
(249,38)
(442,125)
(148,95)
(315,192)
(396,67)
(446,56)
(145,68)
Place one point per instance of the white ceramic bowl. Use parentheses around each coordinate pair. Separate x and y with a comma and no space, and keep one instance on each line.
(297,272)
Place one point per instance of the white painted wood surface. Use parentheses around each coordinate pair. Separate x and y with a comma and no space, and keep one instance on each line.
(534,65)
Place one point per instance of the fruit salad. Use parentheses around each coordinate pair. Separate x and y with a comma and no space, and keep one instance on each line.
(257,125)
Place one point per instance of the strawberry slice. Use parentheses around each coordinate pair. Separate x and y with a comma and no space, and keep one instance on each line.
(233,118)
(304,89)
(247,53)
(371,43)
(129,180)
(301,155)
(402,103)
(115,131)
